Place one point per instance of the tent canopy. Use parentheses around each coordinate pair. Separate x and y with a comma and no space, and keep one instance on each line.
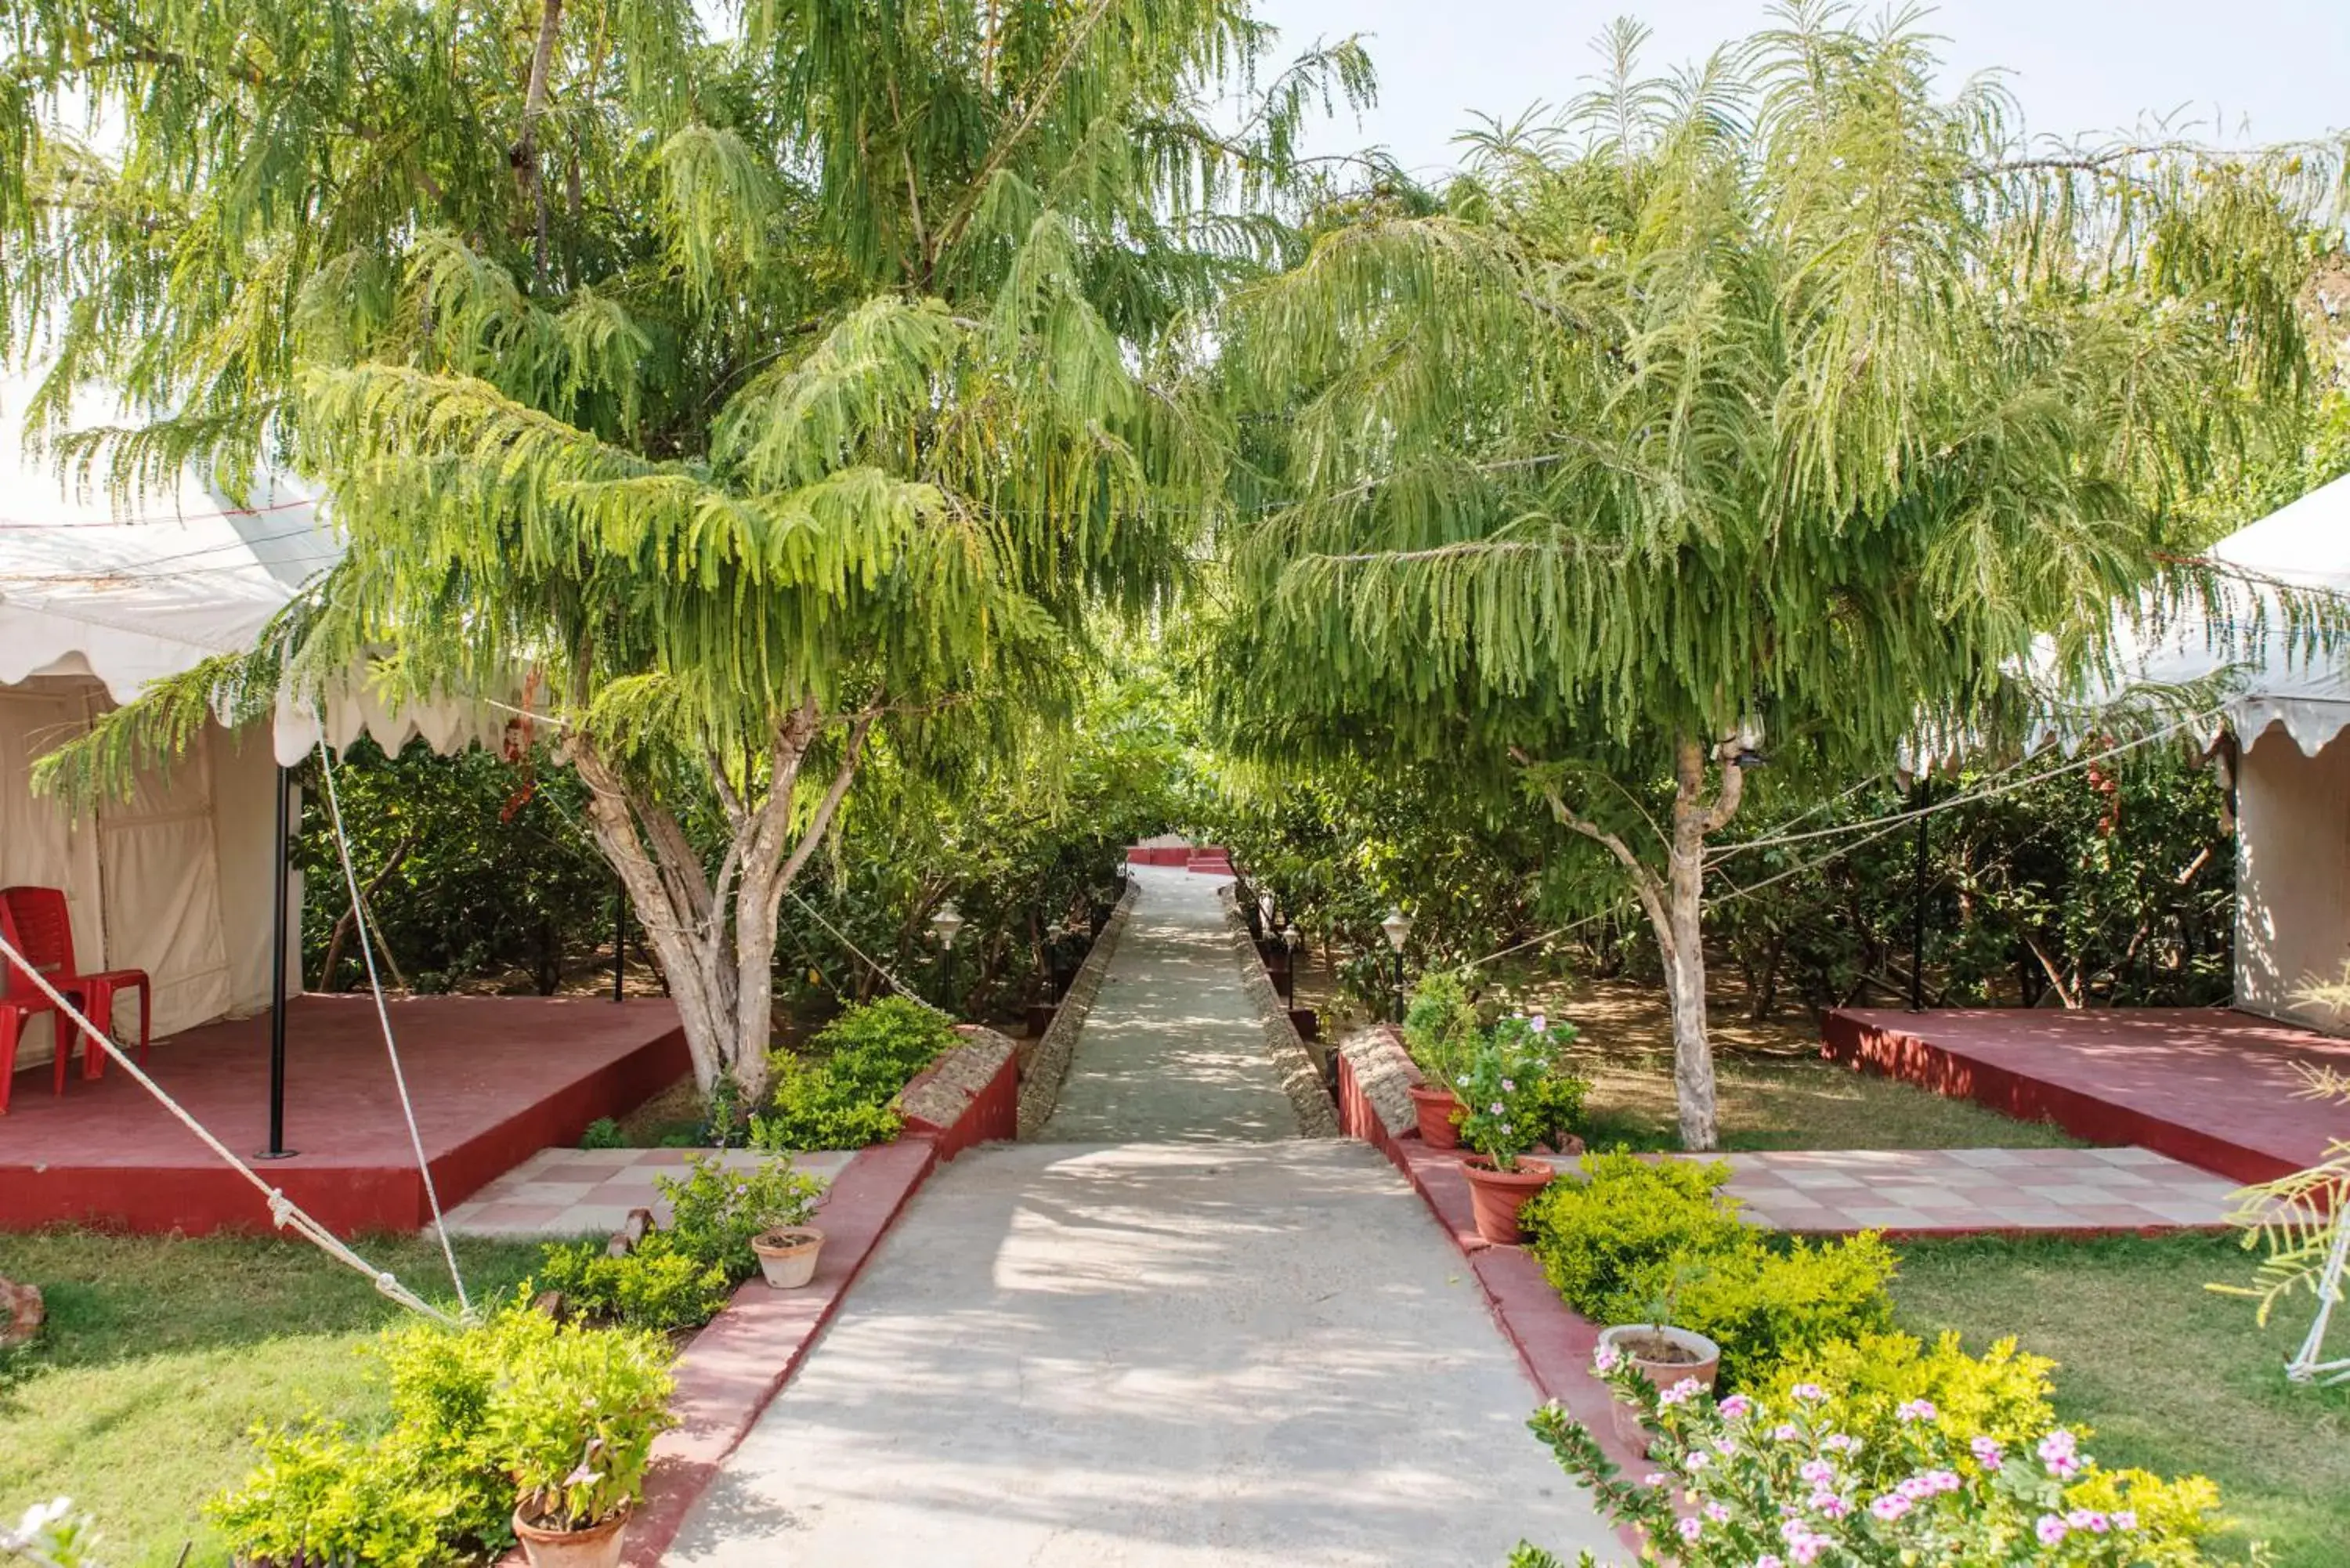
(2272,677)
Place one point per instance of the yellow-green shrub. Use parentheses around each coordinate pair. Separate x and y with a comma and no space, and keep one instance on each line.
(2173,1516)
(1763,1303)
(1625,1216)
(2002,1393)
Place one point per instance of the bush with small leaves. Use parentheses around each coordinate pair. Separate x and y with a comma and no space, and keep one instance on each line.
(655,1286)
(1761,1300)
(1787,1487)
(1593,1233)
(841,1096)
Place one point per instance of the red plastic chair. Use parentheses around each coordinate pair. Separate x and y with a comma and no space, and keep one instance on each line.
(20,999)
(47,931)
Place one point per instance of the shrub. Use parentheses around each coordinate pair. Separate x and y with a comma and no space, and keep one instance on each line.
(714,1212)
(680,1276)
(658,1286)
(1790,1486)
(1508,1105)
(843,1099)
(603,1133)
(480,1417)
(2002,1394)
(320,1497)
(1624,1215)
(1762,1302)
(575,1416)
(1440,1027)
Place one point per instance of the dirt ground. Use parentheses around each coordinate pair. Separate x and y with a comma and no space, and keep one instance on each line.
(1774,1088)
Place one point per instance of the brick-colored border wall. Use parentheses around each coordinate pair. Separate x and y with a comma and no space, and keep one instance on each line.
(1040,1091)
(1301,1079)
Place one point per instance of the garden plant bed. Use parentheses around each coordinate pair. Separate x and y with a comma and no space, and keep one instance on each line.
(2172,1376)
(162,1352)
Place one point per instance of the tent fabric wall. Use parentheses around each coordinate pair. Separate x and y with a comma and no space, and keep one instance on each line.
(174,880)
(2292,876)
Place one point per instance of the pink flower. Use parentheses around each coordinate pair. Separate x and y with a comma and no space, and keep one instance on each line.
(2125,1520)
(1810,1392)
(1829,1503)
(1681,1393)
(1786,1432)
(1540,1023)
(2051,1529)
(1808,1549)
(1917,1488)
(1508,1087)
(1654,1478)
(1607,1358)
(1889,1507)
(1819,1472)
(1841,1443)
(1698,1459)
(1735,1406)
(1987,1453)
(1942,1481)
(1691,1528)
(2088,1519)
(1769,1560)
(1717,1512)
(1495,1108)
(1917,1410)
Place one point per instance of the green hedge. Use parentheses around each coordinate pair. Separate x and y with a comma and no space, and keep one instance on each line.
(842,1098)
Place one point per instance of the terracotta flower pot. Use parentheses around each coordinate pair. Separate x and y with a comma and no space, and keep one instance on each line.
(787,1256)
(1664,1355)
(1435,1109)
(1497,1196)
(597,1546)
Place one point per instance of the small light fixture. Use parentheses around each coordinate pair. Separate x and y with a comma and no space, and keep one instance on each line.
(1397,926)
(1291,937)
(1748,742)
(948,923)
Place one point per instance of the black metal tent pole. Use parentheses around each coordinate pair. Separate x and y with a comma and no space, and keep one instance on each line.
(281,867)
(1918,909)
(620,940)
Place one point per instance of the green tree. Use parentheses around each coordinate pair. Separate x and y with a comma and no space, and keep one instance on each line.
(1785,397)
(736,401)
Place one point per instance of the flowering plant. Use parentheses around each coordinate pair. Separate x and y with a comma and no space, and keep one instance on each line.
(1505,1087)
(50,1534)
(1777,1486)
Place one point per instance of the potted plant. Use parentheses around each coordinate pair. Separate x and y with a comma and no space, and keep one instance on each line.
(734,1217)
(1503,1090)
(1440,1031)
(573,1423)
(788,1254)
(1664,1354)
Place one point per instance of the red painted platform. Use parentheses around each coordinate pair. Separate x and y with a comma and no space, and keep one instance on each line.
(493,1079)
(2208,1086)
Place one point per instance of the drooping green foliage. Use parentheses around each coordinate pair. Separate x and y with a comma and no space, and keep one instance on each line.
(1784,403)
(739,394)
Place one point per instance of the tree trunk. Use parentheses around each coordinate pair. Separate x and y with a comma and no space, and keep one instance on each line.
(1675,906)
(716,937)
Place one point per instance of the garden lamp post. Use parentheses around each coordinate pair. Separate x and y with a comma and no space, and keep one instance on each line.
(1292,938)
(946,923)
(1397,926)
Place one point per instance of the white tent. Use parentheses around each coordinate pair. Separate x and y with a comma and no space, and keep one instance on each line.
(2288,705)
(94,607)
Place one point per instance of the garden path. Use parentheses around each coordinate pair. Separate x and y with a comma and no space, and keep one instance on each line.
(1172,1051)
(1195,1342)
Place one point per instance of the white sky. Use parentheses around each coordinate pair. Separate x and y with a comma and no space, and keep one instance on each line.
(2268,70)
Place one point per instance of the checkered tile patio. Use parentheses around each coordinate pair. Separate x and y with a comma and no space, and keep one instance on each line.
(562,1192)
(1968,1191)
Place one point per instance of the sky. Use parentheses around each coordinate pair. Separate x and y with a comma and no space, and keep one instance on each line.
(2262,70)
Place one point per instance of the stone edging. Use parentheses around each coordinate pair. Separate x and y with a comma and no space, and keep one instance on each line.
(1040,1086)
(1301,1080)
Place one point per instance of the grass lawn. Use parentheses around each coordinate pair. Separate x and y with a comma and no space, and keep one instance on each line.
(160,1353)
(1774,1089)
(2172,1377)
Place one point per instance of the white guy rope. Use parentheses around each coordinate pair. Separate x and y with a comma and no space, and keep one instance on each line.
(900,986)
(383,1016)
(284,1213)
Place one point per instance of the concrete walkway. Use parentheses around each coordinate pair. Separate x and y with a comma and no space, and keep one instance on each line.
(1172,1052)
(1197,1343)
